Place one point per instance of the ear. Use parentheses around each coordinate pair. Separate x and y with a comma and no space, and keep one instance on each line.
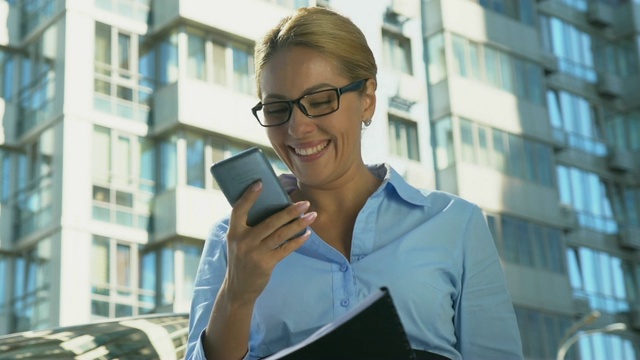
(369,99)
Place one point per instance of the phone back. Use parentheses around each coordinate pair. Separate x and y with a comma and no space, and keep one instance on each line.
(235,174)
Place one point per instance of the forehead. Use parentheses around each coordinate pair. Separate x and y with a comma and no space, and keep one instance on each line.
(293,71)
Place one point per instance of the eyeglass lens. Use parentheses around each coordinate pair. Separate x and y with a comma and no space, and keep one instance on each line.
(316,104)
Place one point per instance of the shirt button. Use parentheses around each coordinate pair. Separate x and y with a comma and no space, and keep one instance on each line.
(343,268)
(344,302)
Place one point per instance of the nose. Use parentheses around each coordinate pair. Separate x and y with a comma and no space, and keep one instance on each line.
(299,124)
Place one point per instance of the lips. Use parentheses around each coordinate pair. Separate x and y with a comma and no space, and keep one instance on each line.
(311,150)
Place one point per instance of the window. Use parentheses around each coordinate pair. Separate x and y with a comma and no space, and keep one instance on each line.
(122,178)
(7,74)
(403,138)
(5,175)
(196,170)
(34,197)
(168,62)
(37,80)
(31,292)
(133,9)
(36,12)
(4,281)
(508,153)
(396,52)
(572,46)
(607,281)
(587,194)
(529,244)
(541,333)
(114,288)
(521,10)
(196,57)
(575,121)
(437,67)
(243,70)
(119,86)
(444,144)
(498,69)
(623,130)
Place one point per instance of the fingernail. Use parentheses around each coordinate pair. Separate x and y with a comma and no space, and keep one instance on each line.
(310,216)
(302,206)
(256,186)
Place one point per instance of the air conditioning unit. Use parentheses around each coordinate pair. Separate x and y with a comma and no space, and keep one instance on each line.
(550,63)
(581,306)
(620,160)
(405,8)
(609,86)
(629,237)
(569,217)
(600,14)
(559,137)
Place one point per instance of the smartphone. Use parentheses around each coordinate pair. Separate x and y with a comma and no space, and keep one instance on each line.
(234,175)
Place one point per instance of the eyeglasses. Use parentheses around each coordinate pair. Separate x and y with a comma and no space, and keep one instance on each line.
(315,104)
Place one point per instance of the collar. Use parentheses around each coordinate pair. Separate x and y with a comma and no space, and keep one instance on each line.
(390,178)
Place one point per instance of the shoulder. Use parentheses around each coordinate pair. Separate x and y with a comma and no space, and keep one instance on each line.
(436,200)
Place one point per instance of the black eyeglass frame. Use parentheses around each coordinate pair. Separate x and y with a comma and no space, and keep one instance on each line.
(354,86)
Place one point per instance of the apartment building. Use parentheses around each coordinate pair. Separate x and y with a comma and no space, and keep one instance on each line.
(536,117)
(112,113)
(113,110)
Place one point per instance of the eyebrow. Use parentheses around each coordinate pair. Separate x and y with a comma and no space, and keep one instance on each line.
(307,91)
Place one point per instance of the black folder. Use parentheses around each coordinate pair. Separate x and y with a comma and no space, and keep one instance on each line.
(372,331)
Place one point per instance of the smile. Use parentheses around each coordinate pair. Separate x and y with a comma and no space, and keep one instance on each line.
(311,150)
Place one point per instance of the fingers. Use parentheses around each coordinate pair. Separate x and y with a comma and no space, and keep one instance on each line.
(240,209)
(296,229)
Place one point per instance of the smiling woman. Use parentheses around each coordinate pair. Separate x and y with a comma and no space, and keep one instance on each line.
(368,228)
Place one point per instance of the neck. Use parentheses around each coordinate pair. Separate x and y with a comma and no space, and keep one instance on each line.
(348,194)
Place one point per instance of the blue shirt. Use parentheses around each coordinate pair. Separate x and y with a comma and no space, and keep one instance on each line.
(434,252)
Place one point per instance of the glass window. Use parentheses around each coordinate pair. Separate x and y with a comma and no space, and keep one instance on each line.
(437,60)
(169,59)
(444,144)
(195,160)
(403,138)
(460,55)
(167,293)
(219,64)
(196,57)
(396,52)
(243,71)
(492,67)
(168,163)
(468,143)
(32,272)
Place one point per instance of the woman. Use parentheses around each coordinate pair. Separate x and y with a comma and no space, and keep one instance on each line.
(316,79)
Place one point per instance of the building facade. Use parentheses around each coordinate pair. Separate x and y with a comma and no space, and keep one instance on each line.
(113,111)
(535,114)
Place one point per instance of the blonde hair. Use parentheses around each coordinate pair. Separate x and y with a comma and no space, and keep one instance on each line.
(324,31)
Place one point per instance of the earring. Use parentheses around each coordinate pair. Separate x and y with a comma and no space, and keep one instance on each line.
(367,122)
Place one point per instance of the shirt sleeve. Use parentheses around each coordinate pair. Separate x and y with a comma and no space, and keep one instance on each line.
(211,273)
(485,320)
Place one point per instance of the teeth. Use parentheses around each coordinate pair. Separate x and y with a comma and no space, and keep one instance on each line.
(311,150)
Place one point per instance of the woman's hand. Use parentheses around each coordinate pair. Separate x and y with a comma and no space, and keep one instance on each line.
(253,252)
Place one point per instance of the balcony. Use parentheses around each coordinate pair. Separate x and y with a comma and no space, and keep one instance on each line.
(609,86)
(621,160)
(189,102)
(629,237)
(600,14)
(187,212)
(257,16)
